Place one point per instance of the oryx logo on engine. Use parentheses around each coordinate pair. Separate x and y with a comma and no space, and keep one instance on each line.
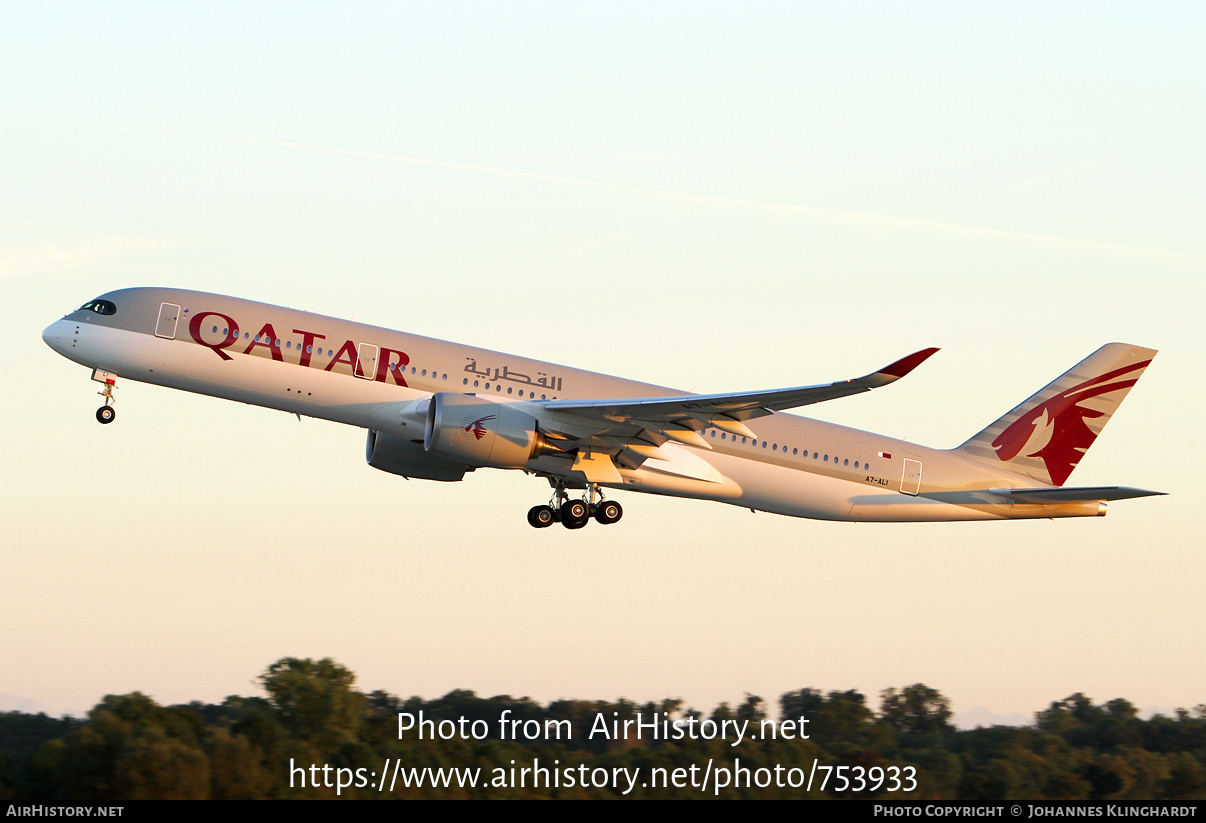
(478,426)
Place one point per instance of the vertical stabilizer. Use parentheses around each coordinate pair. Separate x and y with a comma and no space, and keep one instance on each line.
(1046,436)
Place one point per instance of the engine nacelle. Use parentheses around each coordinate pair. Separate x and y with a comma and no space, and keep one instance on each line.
(397,455)
(466,429)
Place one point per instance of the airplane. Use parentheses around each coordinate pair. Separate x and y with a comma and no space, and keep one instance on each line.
(437,410)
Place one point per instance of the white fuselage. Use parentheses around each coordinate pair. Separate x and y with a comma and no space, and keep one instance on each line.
(363,376)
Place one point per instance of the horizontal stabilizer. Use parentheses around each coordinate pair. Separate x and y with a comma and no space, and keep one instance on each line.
(1073,494)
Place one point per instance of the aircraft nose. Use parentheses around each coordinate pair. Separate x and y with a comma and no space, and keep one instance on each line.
(52,335)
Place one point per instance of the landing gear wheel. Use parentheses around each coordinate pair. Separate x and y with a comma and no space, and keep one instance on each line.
(541,516)
(574,514)
(609,511)
(105,414)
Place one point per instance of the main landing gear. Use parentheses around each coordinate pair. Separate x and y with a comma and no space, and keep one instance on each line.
(574,514)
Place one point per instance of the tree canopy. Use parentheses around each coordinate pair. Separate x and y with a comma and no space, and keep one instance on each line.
(129,747)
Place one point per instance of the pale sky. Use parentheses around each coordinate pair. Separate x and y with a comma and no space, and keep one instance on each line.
(715,197)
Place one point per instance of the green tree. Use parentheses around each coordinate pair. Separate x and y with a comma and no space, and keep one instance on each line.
(916,709)
(315,700)
(845,726)
(751,710)
(130,749)
(800,705)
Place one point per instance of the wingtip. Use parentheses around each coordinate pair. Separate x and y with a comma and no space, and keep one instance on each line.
(906,364)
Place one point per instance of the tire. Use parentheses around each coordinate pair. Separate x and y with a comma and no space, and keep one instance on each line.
(540,517)
(608,512)
(574,514)
(105,414)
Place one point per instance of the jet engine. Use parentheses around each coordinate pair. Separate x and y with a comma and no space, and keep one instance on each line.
(467,429)
(398,455)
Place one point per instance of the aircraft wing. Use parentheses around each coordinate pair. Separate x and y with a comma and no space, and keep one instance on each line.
(631,430)
(734,405)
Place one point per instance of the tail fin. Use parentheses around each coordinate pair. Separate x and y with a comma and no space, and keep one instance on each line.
(1046,436)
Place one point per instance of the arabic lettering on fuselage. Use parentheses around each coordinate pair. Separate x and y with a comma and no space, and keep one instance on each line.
(545,381)
(390,362)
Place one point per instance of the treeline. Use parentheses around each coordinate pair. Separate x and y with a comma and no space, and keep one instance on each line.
(130,748)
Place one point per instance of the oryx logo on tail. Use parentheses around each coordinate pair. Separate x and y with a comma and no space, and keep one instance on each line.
(1055,430)
(1047,435)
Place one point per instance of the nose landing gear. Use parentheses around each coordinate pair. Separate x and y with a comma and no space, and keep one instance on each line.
(106,413)
(574,514)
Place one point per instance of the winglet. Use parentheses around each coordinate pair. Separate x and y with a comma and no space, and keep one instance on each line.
(906,364)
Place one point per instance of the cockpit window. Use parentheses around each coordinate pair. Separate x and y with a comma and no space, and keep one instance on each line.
(100,307)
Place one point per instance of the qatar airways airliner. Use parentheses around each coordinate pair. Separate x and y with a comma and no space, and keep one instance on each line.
(436,410)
